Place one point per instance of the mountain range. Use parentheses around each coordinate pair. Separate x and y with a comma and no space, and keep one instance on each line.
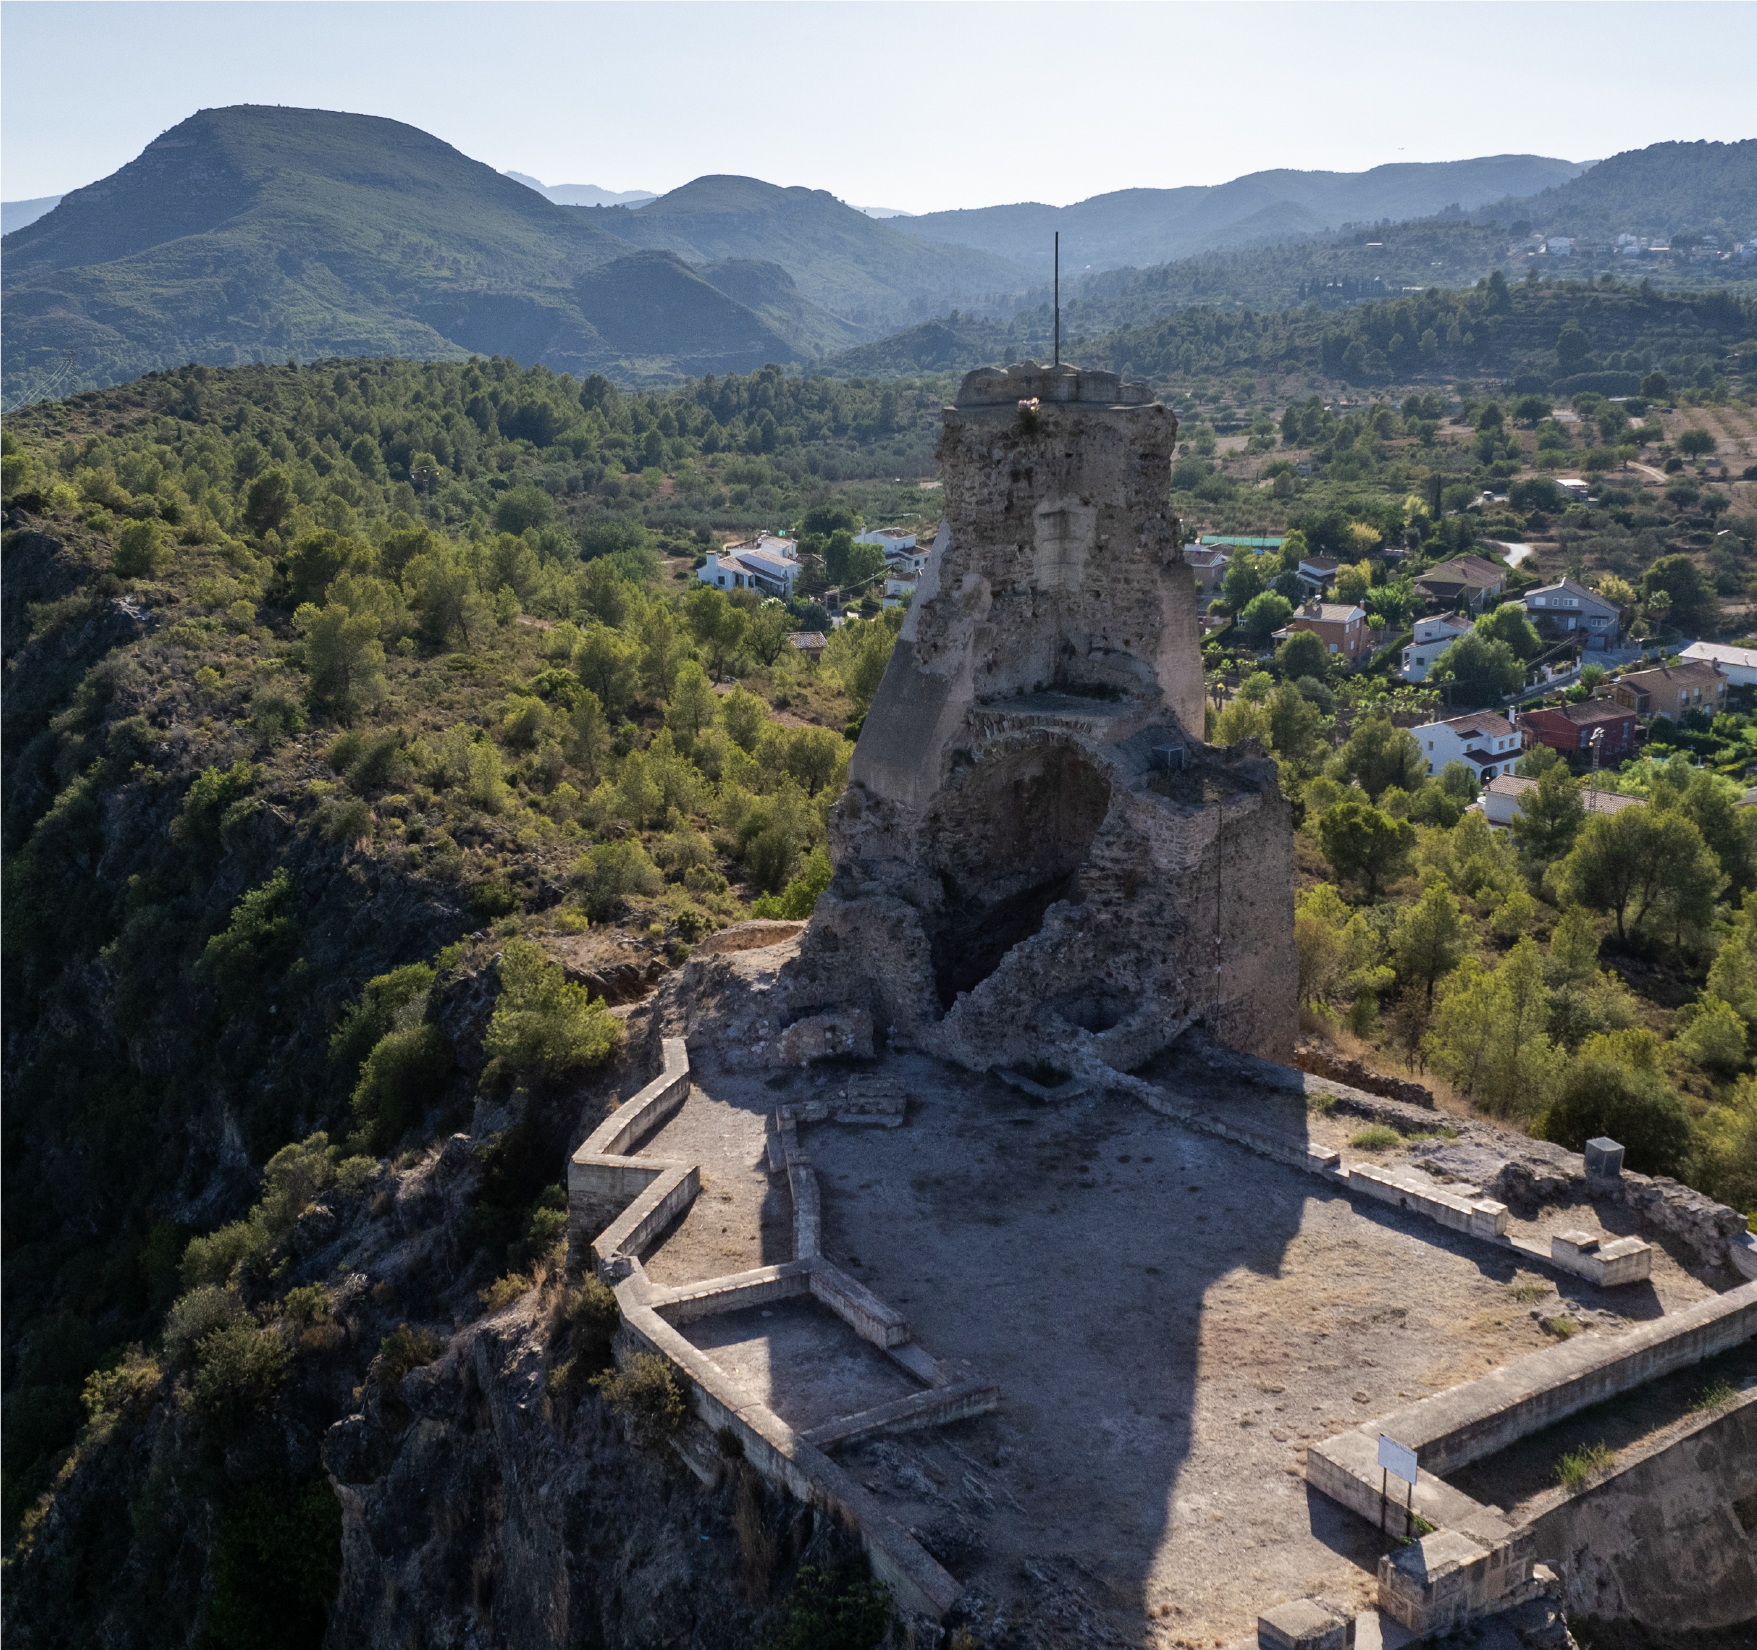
(254,233)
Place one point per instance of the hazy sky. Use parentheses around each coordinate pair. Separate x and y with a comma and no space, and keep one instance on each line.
(904,105)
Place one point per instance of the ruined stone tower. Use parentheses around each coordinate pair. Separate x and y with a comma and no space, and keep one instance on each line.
(1037,858)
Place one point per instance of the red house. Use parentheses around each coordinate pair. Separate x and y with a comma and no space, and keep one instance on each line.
(1569,728)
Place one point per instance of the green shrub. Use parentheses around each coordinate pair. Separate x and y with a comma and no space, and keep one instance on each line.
(610,873)
(196,1315)
(237,1370)
(309,1304)
(259,940)
(647,1396)
(404,1349)
(542,1025)
(401,1078)
(383,1002)
(212,803)
(140,552)
(345,821)
(215,1258)
(491,898)
(1615,1087)
(1577,1466)
(502,1292)
(797,901)
(1377,1138)
(124,1391)
(594,1317)
(832,1610)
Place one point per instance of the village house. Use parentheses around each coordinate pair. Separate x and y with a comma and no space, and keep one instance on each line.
(1737,664)
(1671,689)
(766,563)
(809,642)
(1463,578)
(1209,564)
(1432,637)
(1569,728)
(1341,628)
(1484,741)
(1317,573)
(1568,607)
(1505,794)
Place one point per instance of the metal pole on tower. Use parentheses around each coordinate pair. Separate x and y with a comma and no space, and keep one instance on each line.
(1058,297)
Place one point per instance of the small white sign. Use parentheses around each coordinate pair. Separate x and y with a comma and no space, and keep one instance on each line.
(1397,1458)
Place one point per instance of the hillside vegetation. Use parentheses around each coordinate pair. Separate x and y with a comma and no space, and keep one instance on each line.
(314,785)
(1536,334)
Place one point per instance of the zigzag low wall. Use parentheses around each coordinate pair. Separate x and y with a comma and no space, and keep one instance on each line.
(618,1206)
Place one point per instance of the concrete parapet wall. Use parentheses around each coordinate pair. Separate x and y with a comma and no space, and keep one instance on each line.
(732,1293)
(807,1206)
(619,1204)
(858,1307)
(919,1409)
(629,1235)
(1481,1217)
(1530,1173)
(602,1179)
(1624,1260)
(1454,1428)
(1671,1535)
(784,1457)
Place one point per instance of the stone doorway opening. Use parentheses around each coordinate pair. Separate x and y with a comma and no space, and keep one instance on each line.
(1011,833)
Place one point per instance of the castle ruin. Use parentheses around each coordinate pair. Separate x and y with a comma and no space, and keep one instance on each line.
(1038,860)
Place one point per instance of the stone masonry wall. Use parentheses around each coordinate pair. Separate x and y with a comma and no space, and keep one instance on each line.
(1036,853)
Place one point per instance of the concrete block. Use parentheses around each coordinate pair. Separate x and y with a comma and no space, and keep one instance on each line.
(1604,1159)
(1436,1582)
(1302,1625)
(1622,1260)
(1488,1219)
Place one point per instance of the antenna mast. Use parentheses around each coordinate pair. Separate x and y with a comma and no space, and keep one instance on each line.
(1058,297)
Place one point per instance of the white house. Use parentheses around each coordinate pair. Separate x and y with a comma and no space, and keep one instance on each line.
(765,563)
(1737,664)
(1505,794)
(1432,637)
(891,540)
(1567,606)
(1572,487)
(1483,741)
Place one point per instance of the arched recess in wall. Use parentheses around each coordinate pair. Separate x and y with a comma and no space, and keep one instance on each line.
(1011,832)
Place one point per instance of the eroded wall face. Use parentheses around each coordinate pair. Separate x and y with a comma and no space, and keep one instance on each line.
(1037,858)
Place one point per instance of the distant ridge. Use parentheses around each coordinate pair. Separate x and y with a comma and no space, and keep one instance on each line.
(1141,227)
(16,214)
(866,271)
(581,194)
